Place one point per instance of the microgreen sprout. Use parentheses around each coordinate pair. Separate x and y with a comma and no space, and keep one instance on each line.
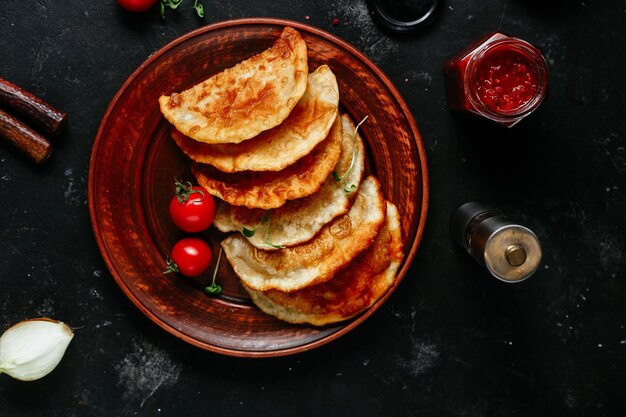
(249,232)
(267,235)
(263,221)
(199,8)
(173,4)
(348,188)
(215,288)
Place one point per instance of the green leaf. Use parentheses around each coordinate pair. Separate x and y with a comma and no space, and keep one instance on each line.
(173,4)
(350,189)
(213,289)
(199,8)
(269,243)
(248,232)
(336,177)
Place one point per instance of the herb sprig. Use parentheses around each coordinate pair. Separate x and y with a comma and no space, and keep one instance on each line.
(265,222)
(173,5)
(349,188)
(215,288)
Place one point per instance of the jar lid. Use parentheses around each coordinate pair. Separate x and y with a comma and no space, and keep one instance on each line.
(403,15)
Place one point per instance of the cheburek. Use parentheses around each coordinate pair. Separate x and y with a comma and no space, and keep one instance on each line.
(299,220)
(269,189)
(242,101)
(317,260)
(351,291)
(272,150)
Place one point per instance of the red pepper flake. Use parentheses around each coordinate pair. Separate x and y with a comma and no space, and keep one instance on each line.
(335,21)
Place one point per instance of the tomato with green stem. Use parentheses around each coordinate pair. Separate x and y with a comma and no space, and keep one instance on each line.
(191,256)
(192,209)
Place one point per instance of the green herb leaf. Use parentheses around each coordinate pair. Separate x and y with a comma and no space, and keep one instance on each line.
(349,189)
(213,289)
(170,4)
(251,231)
(269,243)
(248,232)
(336,177)
(267,240)
(199,8)
(265,222)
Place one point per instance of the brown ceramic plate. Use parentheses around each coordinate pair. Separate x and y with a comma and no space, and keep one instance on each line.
(134,162)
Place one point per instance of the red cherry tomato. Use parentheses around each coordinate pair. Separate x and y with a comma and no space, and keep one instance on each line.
(191,256)
(136,5)
(192,209)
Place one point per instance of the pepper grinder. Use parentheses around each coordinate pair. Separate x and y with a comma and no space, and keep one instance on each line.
(511,252)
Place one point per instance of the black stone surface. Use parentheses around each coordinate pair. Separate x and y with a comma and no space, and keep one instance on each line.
(452,341)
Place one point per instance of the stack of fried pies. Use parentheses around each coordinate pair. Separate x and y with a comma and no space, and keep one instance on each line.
(312,238)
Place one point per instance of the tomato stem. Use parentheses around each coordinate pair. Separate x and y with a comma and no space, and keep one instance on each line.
(171,266)
(184,190)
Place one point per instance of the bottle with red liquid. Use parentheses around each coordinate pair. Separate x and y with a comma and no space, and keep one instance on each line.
(500,77)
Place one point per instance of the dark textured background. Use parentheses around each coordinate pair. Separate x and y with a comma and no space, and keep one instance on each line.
(451,341)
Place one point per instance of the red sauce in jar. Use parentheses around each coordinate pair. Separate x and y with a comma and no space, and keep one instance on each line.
(499,77)
(506,79)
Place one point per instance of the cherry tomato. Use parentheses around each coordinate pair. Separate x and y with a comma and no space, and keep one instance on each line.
(191,256)
(136,5)
(192,209)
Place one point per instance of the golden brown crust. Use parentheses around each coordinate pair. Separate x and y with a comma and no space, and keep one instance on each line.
(270,189)
(299,220)
(351,291)
(317,260)
(306,126)
(240,102)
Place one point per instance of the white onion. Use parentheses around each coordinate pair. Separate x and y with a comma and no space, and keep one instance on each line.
(31,349)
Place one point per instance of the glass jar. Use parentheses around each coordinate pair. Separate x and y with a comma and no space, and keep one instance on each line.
(500,77)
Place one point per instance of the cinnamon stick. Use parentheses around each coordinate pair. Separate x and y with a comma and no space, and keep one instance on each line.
(29,142)
(42,115)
